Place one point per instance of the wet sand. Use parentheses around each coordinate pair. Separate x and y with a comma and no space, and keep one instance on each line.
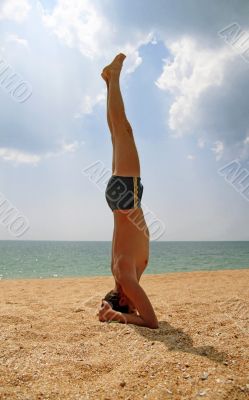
(52,345)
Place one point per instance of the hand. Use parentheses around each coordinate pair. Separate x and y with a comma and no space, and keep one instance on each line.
(104,310)
(107,314)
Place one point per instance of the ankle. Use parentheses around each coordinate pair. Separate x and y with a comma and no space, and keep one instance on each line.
(114,76)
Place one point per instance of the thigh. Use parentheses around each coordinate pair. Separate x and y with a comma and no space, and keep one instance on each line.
(126,154)
(113,154)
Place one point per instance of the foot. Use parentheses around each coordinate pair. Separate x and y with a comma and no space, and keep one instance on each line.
(113,68)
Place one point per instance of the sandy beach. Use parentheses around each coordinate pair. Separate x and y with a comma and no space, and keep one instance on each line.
(54,347)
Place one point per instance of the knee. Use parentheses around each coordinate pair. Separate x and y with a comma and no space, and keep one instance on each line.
(128,127)
(122,125)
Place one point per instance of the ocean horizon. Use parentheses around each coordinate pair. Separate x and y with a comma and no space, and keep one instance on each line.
(58,259)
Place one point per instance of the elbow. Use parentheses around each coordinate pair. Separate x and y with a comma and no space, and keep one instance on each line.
(152,324)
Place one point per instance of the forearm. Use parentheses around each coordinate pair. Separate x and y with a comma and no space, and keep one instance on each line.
(145,316)
(142,303)
(131,319)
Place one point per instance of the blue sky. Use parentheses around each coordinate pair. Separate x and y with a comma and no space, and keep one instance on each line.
(186,95)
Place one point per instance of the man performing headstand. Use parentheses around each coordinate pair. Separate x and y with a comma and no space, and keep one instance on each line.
(127,302)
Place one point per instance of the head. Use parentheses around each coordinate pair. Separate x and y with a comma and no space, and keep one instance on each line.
(118,301)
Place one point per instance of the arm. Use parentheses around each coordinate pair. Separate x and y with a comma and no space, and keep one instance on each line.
(140,300)
(136,320)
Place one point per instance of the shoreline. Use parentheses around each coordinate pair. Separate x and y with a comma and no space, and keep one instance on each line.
(109,276)
(54,347)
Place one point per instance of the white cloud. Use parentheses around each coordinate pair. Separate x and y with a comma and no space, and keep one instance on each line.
(16,10)
(13,38)
(187,76)
(82,25)
(246,141)
(201,142)
(191,157)
(64,148)
(218,149)
(20,157)
(69,147)
(78,24)
(205,90)
(133,59)
(89,102)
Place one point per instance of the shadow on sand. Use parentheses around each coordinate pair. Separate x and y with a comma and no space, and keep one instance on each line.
(177,340)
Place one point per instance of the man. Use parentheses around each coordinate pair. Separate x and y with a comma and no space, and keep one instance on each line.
(127,302)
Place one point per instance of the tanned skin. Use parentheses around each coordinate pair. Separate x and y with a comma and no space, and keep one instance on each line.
(130,245)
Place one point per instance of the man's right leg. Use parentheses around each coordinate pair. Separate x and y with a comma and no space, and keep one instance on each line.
(126,155)
(110,128)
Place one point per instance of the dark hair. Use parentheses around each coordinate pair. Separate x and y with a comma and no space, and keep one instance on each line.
(113,298)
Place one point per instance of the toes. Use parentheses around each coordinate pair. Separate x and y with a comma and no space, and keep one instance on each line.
(121,56)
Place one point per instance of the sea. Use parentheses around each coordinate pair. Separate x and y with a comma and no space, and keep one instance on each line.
(58,259)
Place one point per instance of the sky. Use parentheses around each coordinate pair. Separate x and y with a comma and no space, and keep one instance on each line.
(185,83)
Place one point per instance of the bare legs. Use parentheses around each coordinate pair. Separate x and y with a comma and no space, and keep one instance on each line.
(130,245)
(111,130)
(125,155)
(125,161)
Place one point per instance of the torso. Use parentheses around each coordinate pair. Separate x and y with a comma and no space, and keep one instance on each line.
(131,237)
